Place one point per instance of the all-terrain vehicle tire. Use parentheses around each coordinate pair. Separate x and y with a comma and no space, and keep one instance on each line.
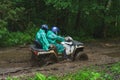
(37,60)
(81,56)
(51,59)
(34,61)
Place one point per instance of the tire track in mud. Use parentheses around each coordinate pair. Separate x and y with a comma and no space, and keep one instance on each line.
(20,65)
(60,68)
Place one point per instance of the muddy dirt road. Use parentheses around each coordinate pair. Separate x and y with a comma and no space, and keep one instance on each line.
(15,61)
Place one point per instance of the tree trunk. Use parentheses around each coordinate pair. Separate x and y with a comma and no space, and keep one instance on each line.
(105,29)
(77,24)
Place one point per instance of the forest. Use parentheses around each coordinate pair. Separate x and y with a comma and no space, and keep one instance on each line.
(93,24)
(81,19)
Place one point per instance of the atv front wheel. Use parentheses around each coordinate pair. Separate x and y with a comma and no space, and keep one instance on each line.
(81,56)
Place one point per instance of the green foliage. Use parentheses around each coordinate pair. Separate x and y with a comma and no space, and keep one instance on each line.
(82,19)
(39,76)
(85,74)
(17,38)
(8,38)
(32,30)
(96,18)
(59,4)
(15,14)
(52,78)
(11,15)
(3,24)
(3,30)
(9,78)
(116,68)
(3,36)
(91,73)
(72,6)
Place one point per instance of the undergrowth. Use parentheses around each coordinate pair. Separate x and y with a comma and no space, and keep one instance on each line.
(90,73)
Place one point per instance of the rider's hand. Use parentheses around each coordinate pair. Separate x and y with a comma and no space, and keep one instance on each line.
(51,46)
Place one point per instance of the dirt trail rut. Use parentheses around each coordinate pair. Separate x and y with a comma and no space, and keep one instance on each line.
(16,61)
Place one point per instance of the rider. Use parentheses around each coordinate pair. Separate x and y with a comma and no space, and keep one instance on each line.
(41,37)
(53,38)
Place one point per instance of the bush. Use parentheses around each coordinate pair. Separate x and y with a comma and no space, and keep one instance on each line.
(17,38)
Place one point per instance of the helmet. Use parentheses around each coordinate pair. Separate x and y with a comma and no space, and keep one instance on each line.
(55,29)
(44,26)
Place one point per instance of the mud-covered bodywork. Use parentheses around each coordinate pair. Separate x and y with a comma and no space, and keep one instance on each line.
(74,49)
(41,56)
(38,51)
(79,47)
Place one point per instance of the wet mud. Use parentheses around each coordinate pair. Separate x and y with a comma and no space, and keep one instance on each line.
(16,61)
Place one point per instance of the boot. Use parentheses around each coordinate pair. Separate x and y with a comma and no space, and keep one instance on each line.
(65,56)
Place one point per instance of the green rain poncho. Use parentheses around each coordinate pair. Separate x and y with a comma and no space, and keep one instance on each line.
(53,38)
(41,38)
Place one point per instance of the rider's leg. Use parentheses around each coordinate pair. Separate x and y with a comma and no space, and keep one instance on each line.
(64,54)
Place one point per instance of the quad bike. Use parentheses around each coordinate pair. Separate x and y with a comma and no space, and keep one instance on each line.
(74,51)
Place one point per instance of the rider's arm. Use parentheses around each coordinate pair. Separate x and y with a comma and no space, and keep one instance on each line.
(60,38)
(51,35)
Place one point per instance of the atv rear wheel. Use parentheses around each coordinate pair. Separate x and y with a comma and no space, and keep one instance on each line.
(38,60)
(81,56)
(34,60)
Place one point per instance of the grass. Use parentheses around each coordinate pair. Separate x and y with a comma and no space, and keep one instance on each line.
(92,73)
